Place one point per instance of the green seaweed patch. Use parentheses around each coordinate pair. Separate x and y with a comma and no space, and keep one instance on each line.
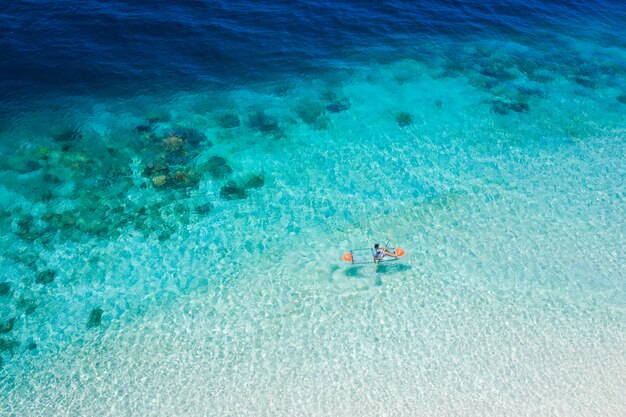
(45,277)
(231,191)
(95,318)
(254,181)
(218,167)
(622,98)
(228,120)
(7,326)
(404,119)
(5,289)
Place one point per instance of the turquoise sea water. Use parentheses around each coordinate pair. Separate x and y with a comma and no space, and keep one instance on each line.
(178,253)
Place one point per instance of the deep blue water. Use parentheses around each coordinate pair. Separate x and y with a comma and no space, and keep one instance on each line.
(128,48)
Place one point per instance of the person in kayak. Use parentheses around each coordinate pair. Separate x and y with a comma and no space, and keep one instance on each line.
(379,253)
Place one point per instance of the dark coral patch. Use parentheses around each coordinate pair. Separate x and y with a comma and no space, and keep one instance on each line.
(309,111)
(95,318)
(72,134)
(191,136)
(184,179)
(45,277)
(204,209)
(232,191)
(585,82)
(156,168)
(218,167)
(5,288)
(7,326)
(622,98)
(337,107)
(27,304)
(228,120)
(404,119)
(7,345)
(503,107)
(265,124)
(255,181)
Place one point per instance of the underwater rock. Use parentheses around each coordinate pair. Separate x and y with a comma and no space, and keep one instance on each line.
(232,191)
(45,277)
(32,345)
(70,135)
(337,107)
(503,107)
(204,208)
(95,318)
(5,288)
(265,124)
(7,345)
(404,119)
(7,326)
(172,143)
(622,98)
(254,181)
(218,167)
(156,168)
(228,120)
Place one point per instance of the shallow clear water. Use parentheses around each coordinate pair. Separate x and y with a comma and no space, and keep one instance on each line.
(137,280)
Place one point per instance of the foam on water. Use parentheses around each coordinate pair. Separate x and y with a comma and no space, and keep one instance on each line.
(506,192)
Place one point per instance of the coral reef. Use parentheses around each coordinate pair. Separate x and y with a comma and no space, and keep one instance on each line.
(95,318)
(254,181)
(218,167)
(228,120)
(231,191)
(46,276)
(404,119)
